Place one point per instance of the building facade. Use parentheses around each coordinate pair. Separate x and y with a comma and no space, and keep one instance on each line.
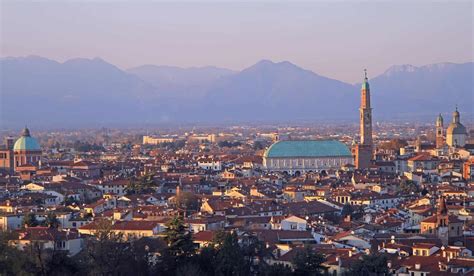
(296,157)
(443,225)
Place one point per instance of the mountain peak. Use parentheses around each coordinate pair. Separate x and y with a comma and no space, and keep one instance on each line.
(400,68)
(266,64)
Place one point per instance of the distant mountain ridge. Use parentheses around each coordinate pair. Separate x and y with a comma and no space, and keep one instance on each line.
(95,92)
(180,81)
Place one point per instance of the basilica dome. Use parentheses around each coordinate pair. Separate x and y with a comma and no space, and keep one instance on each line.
(26,142)
(456,134)
(455,127)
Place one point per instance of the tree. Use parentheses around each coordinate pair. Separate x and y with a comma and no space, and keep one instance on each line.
(206,260)
(228,144)
(373,264)
(187,201)
(52,221)
(109,254)
(12,260)
(408,187)
(277,270)
(229,258)
(258,145)
(70,201)
(52,261)
(347,210)
(308,262)
(30,220)
(140,185)
(180,245)
(253,251)
(394,144)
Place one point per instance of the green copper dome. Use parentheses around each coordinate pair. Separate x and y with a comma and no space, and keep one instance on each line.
(308,148)
(26,142)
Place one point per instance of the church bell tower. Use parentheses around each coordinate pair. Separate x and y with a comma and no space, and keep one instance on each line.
(439,132)
(365,114)
(363,150)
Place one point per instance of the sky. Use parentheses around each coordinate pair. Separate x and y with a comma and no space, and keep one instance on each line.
(337,39)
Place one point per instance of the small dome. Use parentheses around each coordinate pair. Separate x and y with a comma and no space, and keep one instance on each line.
(26,142)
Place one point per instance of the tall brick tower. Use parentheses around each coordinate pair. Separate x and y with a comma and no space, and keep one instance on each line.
(439,132)
(363,150)
(365,113)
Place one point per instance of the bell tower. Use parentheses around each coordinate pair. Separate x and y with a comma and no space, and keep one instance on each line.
(363,151)
(439,132)
(365,113)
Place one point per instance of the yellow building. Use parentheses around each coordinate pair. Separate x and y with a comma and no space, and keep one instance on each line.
(442,224)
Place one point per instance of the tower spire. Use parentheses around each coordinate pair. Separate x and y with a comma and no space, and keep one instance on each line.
(365,74)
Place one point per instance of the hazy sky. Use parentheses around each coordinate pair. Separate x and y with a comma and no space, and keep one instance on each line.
(335,39)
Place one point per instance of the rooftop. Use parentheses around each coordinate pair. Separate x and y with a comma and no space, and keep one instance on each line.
(308,148)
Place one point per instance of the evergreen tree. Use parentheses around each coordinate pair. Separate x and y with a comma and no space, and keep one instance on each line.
(229,259)
(408,187)
(308,262)
(180,245)
(52,221)
(187,201)
(373,264)
(347,210)
(12,260)
(276,270)
(30,220)
(206,260)
(109,254)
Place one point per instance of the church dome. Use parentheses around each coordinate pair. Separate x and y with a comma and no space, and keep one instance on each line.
(456,128)
(26,142)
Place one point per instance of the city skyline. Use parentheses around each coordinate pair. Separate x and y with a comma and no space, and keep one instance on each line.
(230,138)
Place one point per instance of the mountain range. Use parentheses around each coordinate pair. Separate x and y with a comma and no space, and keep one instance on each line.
(36,90)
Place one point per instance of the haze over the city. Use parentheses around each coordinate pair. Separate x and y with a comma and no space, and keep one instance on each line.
(336,40)
(222,138)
